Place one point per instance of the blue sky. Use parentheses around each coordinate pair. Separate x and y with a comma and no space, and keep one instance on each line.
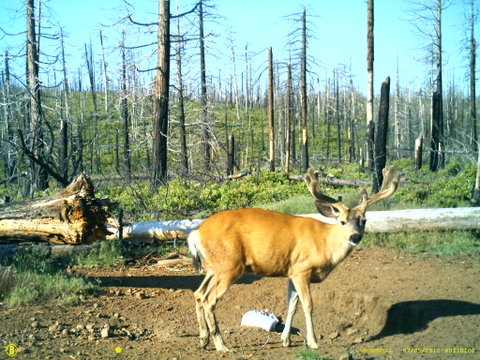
(338,30)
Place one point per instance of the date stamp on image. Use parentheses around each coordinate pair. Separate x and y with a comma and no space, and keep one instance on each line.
(438,350)
(423,350)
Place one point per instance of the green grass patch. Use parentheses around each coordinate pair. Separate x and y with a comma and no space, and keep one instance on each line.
(31,287)
(31,278)
(439,243)
(307,354)
(105,255)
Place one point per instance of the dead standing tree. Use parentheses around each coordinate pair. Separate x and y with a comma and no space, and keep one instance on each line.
(370,137)
(160,98)
(381,136)
(427,20)
(271,121)
(38,177)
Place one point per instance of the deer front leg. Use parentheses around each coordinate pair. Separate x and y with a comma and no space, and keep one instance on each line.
(302,285)
(292,301)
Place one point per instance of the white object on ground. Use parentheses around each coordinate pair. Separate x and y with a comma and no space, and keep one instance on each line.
(260,319)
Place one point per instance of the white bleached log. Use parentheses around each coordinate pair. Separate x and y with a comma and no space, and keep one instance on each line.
(160,230)
(377,221)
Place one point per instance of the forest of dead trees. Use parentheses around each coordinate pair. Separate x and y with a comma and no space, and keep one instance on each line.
(161,112)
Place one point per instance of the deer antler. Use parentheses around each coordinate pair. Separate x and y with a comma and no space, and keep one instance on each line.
(390,182)
(311,179)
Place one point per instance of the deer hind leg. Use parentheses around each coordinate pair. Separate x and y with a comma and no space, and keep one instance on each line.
(292,302)
(302,286)
(202,322)
(216,288)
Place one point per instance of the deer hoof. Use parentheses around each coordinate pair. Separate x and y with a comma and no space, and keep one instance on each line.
(204,342)
(286,342)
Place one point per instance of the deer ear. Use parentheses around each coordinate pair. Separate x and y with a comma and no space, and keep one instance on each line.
(327,209)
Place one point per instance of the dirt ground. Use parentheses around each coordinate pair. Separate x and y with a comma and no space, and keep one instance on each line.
(378,304)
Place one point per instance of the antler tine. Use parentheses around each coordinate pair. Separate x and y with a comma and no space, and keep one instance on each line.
(312,185)
(390,182)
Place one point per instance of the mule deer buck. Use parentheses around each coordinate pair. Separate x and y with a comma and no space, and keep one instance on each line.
(233,242)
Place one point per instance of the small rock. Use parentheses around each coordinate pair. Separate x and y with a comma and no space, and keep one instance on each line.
(358,314)
(351,331)
(63,350)
(53,328)
(35,325)
(95,306)
(334,335)
(128,292)
(80,327)
(64,332)
(346,356)
(116,316)
(31,337)
(358,340)
(140,295)
(91,337)
(90,328)
(105,331)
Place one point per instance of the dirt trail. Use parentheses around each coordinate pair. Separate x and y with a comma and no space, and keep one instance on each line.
(377,304)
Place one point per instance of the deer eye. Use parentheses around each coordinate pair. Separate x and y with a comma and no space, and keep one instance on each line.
(343,222)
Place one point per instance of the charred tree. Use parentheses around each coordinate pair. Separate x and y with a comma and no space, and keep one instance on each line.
(125,116)
(160,98)
(64,116)
(473,99)
(370,58)
(271,121)
(207,151)
(288,119)
(381,135)
(418,160)
(181,103)
(303,92)
(38,177)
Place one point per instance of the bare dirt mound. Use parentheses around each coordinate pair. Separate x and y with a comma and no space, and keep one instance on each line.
(377,304)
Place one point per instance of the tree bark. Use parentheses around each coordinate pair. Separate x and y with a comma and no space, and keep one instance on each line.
(71,216)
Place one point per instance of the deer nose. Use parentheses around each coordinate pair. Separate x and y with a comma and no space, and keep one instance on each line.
(355,238)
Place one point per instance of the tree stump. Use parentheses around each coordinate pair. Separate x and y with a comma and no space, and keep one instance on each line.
(71,216)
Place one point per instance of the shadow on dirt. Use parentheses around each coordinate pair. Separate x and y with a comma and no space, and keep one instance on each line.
(161,282)
(411,316)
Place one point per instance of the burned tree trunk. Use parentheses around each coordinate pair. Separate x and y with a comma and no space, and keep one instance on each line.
(71,216)
(380,158)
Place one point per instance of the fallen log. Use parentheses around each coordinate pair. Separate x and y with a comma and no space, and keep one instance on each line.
(334,181)
(159,230)
(377,221)
(71,216)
